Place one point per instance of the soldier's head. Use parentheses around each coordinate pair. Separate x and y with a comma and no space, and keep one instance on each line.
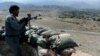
(14,9)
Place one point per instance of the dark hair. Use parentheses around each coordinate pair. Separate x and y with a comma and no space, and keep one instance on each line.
(13,8)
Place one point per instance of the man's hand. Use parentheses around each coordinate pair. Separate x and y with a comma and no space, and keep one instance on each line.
(24,20)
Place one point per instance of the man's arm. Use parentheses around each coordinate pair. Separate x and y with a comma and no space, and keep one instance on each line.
(14,24)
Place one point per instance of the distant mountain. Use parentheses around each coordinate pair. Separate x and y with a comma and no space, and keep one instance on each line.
(84,5)
(48,2)
(72,4)
(53,4)
(6,5)
(36,6)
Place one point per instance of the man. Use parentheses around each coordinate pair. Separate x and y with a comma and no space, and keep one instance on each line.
(13,29)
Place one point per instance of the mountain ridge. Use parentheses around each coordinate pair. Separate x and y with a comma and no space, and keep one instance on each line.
(74,5)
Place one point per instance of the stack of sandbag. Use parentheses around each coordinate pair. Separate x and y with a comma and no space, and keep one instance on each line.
(62,41)
(57,41)
(34,34)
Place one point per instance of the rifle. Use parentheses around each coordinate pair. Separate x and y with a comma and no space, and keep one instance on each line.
(29,39)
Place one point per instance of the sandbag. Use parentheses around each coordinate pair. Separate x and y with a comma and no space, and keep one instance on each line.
(33,40)
(62,41)
(42,42)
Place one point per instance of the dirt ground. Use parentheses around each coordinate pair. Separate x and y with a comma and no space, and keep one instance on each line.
(89,41)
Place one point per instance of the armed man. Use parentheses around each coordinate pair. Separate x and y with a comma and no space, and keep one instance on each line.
(14,29)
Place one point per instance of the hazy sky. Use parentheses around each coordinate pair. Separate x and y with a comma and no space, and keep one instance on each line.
(30,1)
